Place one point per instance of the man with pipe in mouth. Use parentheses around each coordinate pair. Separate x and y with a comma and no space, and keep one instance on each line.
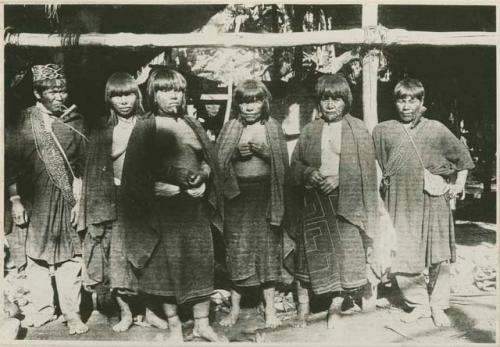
(45,156)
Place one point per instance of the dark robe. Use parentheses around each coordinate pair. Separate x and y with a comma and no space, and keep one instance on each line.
(49,236)
(255,208)
(350,211)
(101,216)
(424,225)
(169,238)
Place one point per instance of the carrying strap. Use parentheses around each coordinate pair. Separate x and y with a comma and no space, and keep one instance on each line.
(414,146)
(52,155)
(63,153)
(72,128)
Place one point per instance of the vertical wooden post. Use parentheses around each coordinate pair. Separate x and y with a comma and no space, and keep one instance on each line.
(370,71)
(275,76)
(297,18)
(370,116)
(230,83)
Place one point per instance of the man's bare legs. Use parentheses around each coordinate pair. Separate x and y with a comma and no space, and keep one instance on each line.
(69,284)
(41,294)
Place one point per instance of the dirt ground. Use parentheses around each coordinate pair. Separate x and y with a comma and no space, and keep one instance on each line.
(473,312)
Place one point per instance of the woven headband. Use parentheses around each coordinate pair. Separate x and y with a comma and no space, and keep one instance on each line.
(47,72)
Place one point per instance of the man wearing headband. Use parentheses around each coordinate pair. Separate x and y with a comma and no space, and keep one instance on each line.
(45,159)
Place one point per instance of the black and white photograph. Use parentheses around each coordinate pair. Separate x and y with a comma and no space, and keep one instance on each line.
(236,172)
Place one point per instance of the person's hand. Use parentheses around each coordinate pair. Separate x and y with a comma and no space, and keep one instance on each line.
(74,214)
(197,192)
(315,178)
(19,214)
(244,150)
(166,189)
(260,149)
(96,233)
(457,191)
(328,184)
(198,179)
(181,176)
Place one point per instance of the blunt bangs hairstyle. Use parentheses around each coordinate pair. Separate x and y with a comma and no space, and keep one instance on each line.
(122,83)
(409,87)
(250,91)
(43,85)
(165,79)
(334,86)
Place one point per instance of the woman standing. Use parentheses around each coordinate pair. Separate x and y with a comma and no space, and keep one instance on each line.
(104,255)
(334,165)
(172,188)
(253,156)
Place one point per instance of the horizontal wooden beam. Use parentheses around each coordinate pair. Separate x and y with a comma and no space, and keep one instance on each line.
(456,38)
(350,36)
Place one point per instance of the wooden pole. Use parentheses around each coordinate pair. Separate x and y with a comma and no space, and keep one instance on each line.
(370,71)
(297,18)
(230,82)
(290,39)
(275,76)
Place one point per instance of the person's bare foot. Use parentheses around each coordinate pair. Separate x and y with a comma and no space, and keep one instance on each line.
(272,321)
(206,332)
(126,318)
(231,318)
(303,311)
(126,321)
(416,314)
(440,318)
(333,312)
(75,324)
(151,319)
(175,327)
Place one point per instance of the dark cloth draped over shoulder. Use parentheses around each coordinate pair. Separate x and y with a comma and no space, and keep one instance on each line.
(142,228)
(215,189)
(358,197)
(45,181)
(98,193)
(98,204)
(226,145)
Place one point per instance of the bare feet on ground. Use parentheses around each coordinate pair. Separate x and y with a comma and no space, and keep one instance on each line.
(440,318)
(272,321)
(230,319)
(150,318)
(126,321)
(75,324)
(333,312)
(175,327)
(206,332)
(303,311)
